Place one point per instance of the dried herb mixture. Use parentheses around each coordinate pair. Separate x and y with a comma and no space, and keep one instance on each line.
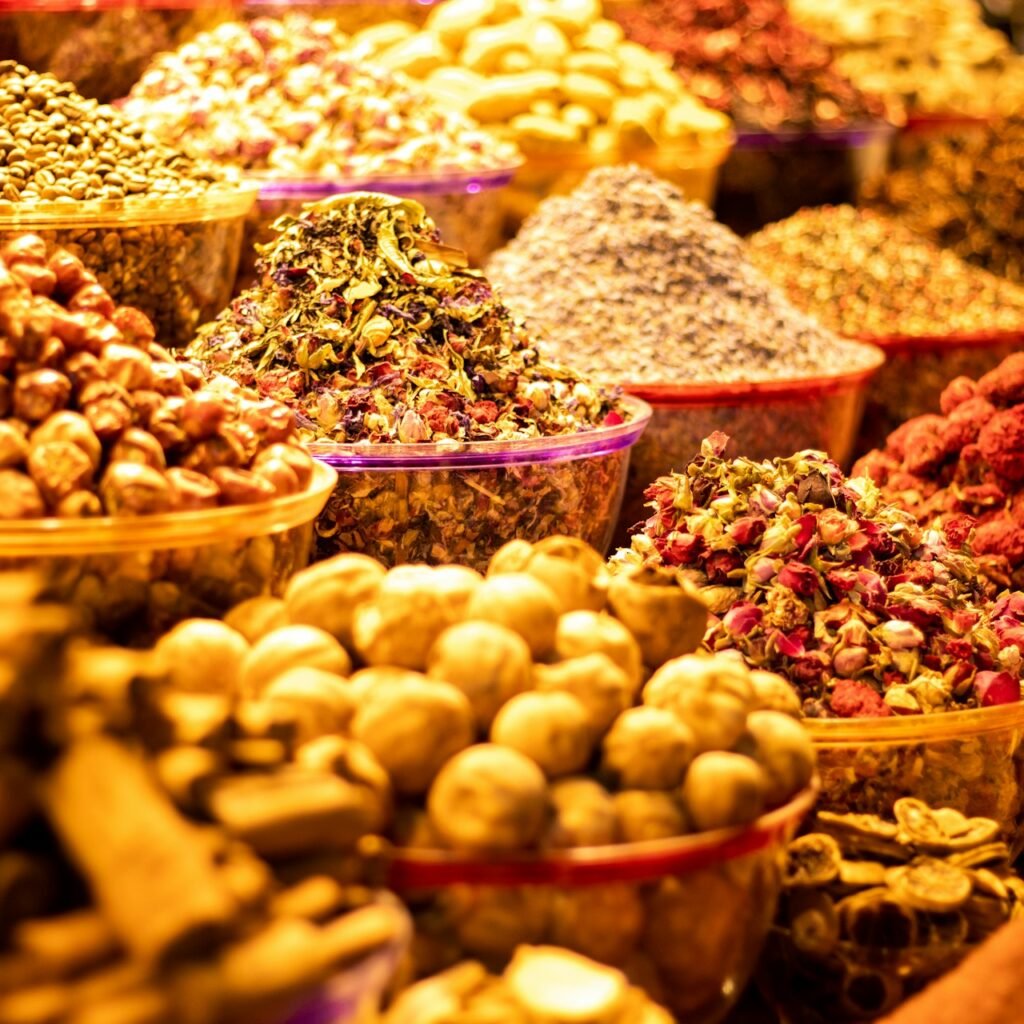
(862,273)
(814,576)
(636,284)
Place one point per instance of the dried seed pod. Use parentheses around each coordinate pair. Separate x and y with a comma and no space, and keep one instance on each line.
(290,647)
(571,568)
(73,427)
(240,486)
(722,790)
(488,798)
(319,701)
(202,414)
(280,476)
(300,461)
(58,468)
(649,814)
(588,632)
(22,499)
(130,489)
(203,656)
(582,814)
(136,445)
(647,748)
(783,748)
(520,602)
(190,490)
(773,692)
(128,366)
(39,394)
(487,662)
(603,689)
(258,616)
(812,860)
(551,728)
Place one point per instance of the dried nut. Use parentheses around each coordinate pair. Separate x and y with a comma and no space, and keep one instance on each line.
(603,689)
(298,459)
(710,694)
(73,427)
(291,647)
(551,728)
(493,922)
(190,490)
(136,445)
(203,656)
(773,692)
(280,476)
(413,727)
(647,748)
(130,489)
(649,814)
(58,468)
(511,557)
(366,680)
(554,984)
(571,568)
(167,379)
(663,612)
(240,486)
(327,594)
(258,616)
(783,748)
(13,445)
(22,499)
(722,790)
(202,414)
(931,885)
(318,701)
(587,632)
(355,763)
(488,798)
(523,604)
(583,814)
(487,662)
(128,366)
(79,505)
(39,394)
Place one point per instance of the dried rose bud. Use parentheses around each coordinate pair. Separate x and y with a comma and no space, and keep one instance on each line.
(24,249)
(191,490)
(136,445)
(271,420)
(242,487)
(79,505)
(213,453)
(203,413)
(280,475)
(108,417)
(298,458)
(167,379)
(136,327)
(92,298)
(128,366)
(70,272)
(58,468)
(40,393)
(128,488)
(13,445)
(39,278)
(22,499)
(72,427)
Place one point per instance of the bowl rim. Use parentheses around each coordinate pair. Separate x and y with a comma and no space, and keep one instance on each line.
(594,865)
(711,393)
(939,725)
(851,135)
(53,536)
(222,201)
(592,443)
(902,344)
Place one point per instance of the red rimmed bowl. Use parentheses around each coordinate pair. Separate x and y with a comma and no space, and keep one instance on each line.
(685,918)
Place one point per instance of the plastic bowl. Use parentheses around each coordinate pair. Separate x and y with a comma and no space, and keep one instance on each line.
(771,175)
(970,760)
(350,15)
(773,418)
(918,368)
(135,577)
(453,502)
(685,918)
(175,259)
(465,206)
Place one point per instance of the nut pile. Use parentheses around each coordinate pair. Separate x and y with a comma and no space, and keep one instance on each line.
(937,55)
(875,908)
(159,864)
(632,283)
(864,274)
(814,576)
(553,76)
(964,467)
(285,97)
(750,59)
(964,195)
(541,983)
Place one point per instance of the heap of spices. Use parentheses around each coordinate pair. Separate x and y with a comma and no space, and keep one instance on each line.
(750,59)
(544,707)
(938,56)
(161,861)
(814,576)
(965,465)
(375,333)
(875,908)
(284,96)
(865,274)
(656,291)
(965,195)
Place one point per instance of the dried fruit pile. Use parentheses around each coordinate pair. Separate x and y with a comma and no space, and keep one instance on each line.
(965,466)
(862,273)
(286,96)
(751,60)
(814,576)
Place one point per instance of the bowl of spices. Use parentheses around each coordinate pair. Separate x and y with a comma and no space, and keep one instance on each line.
(141,495)
(406,373)
(294,107)
(874,908)
(907,673)
(160,231)
(866,275)
(661,299)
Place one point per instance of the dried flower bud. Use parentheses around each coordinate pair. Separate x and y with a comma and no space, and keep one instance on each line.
(280,476)
(213,453)
(522,603)
(128,488)
(13,445)
(92,298)
(191,490)
(783,749)
(583,814)
(165,425)
(271,420)
(21,497)
(241,486)
(24,249)
(168,379)
(136,327)
(51,355)
(83,368)
(128,366)
(300,461)
(38,278)
(108,417)
(647,748)
(723,790)
(70,427)
(553,729)
(40,393)
(202,415)
(79,505)
(58,468)
(69,271)
(136,445)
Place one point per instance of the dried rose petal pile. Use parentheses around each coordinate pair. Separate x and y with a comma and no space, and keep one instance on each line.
(968,461)
(814,576)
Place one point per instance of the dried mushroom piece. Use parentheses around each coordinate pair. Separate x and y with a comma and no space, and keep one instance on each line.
(931,885)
